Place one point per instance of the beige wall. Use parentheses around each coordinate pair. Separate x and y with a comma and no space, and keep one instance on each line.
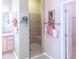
(34,6)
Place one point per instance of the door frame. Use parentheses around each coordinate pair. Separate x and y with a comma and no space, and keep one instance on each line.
(63,27)
(42,9)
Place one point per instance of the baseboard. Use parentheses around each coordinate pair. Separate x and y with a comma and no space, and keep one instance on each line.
(50,57)
(15,55)
(37,56)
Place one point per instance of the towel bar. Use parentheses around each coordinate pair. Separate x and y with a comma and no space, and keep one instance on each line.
(53,23)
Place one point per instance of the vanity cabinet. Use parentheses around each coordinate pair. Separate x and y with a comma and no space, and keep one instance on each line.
(7,43)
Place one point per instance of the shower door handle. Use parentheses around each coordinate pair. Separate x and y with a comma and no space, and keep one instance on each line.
(53,23)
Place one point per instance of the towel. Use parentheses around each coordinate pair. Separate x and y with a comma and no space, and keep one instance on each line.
(49,30)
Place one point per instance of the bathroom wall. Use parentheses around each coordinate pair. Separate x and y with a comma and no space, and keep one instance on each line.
(23,30)
(15,8)
(7,5)
(22,36)
(6,9)
(54,46)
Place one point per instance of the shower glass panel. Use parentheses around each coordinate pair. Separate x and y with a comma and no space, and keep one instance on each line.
(35,35)
(35,28)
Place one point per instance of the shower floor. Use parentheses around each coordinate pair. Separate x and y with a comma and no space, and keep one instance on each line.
(36,49)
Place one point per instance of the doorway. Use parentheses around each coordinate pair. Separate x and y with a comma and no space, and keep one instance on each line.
(35,27)
(70,29)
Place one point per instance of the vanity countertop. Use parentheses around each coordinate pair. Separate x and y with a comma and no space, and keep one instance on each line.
(7,34)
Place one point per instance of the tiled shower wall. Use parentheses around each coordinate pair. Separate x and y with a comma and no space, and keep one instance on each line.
(35,28)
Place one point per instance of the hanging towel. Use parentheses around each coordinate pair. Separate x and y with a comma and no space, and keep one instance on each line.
(14,21)
(49,30)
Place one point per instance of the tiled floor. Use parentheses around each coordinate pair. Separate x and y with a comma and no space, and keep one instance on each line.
(9,55)
(42,57)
